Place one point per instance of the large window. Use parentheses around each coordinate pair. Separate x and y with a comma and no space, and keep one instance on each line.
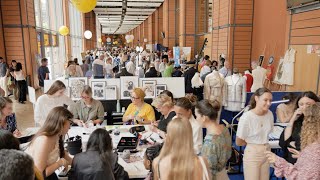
(75,32)
(49,18)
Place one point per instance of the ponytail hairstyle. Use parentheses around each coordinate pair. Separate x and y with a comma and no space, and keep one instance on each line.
(209,108)
(259,92)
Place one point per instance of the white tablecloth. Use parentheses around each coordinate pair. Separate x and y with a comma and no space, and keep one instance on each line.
(135,169)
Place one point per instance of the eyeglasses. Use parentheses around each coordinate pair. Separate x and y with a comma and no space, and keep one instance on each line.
(134,98)
(85,97)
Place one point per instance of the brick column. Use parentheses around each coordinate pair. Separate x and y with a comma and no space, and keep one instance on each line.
(18,35)
(169,13)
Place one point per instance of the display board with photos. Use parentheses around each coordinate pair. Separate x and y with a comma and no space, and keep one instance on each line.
(76,86)
(113,89)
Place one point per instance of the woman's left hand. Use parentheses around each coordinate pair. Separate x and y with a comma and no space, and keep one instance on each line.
(271,157)
(16,133)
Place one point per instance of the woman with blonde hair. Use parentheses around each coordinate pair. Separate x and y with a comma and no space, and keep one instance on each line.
(163,103)
(52,98)
(87,109)
(139,112)
(47,147)
(308,162)
(177,159)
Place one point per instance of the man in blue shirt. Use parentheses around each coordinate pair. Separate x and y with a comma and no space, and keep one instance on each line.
(43,73)
(4,73)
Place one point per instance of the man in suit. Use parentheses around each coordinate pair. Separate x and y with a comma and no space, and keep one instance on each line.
(188,75)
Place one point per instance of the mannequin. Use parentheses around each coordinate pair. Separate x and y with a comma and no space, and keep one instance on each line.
(213,88)
(249,80)
(234,92)
(259,75)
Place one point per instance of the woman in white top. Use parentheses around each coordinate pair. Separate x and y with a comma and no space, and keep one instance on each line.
(253,130)
(46,148)
(21,82)
(54,97)
(177,159)
(183,109)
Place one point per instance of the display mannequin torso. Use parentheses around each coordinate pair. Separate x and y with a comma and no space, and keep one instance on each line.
(234,93)
(259,75)
(213,86)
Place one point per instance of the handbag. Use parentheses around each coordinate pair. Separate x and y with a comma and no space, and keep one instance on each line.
(236,157)
(74,145)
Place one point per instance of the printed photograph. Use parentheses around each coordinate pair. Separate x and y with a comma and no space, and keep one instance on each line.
(160,88)
(128,83)
(98,90)
(111,93)
(149,87)
(76,86)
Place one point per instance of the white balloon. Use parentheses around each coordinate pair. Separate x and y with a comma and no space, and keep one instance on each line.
(108,39)
(88,34)
(145,40)
(127,37)
(132,37)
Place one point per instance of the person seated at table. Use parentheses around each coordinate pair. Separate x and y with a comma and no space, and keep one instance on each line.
(177,159)
(47,147)
(54,97)
(163,103)
(87,109)
(7,118)
(184,109)
(139,111)
(290,137)
(15,164)
(151,153)
(168,93)
(98,162)
(217,143)
(8,141)
(308,162)
(286,110)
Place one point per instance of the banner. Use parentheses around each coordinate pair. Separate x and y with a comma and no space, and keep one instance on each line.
(176,56)
(186,53)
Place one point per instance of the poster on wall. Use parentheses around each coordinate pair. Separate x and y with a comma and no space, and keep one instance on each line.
(98,90)
(176,56)
(160,88)
(185,53)
(111,93)
(150,88)
(127,84)
(76,86)
(313,49)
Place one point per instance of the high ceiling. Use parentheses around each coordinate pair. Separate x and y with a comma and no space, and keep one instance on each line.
(121,16)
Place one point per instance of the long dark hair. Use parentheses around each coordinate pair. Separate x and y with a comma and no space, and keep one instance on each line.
(18,67)
(259,92)
(208,108)
(100,141)
(308,94)
(54,125)
(8,141)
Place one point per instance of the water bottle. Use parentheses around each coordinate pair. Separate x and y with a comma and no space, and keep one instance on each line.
(118,106)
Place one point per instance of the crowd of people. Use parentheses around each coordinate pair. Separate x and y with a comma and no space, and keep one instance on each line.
(187,152)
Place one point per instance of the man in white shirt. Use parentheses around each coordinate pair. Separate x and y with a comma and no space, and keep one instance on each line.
(99,68)
(109,67)
(226,69)
(130,66)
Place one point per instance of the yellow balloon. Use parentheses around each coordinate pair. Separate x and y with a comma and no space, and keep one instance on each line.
(64,30)
(99,40)
(84,6)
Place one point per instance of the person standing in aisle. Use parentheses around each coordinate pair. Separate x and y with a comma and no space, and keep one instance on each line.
(4,73)
(43,73)
(99,68)
(13,80)
(188,75)
(21,82)
(253,130)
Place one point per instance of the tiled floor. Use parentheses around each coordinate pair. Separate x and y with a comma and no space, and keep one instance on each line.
(24,113)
